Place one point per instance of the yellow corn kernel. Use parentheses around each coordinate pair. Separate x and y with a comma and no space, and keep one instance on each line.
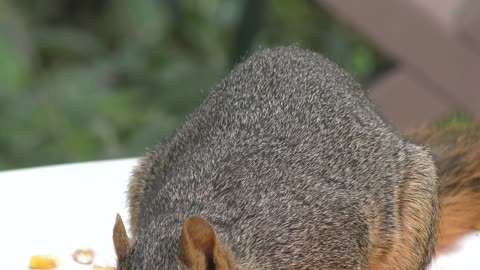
(43,262)
(96,267)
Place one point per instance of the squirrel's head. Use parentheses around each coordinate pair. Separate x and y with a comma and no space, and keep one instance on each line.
(199,248)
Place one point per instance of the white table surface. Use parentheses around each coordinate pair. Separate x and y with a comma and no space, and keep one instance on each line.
(57,209)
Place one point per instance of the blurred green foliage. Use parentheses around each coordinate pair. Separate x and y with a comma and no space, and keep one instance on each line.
(97,79)
(457,120)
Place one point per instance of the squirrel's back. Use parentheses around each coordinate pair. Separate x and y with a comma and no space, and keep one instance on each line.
(292,167)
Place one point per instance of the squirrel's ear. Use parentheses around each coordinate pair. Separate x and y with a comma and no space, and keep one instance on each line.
(200,249)
(120,238)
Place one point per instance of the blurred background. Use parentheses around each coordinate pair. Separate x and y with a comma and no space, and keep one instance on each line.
(100,79)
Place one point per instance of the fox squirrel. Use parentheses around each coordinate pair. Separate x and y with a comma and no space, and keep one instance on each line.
(456,150)
(285,165)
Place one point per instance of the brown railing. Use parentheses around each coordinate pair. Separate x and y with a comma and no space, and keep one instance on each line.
(435,45)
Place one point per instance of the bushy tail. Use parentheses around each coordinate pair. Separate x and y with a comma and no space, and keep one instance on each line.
(457,154)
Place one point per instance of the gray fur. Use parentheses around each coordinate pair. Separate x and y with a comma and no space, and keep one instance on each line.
(285,158)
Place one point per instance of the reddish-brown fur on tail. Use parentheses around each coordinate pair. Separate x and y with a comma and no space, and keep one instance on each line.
(457,155)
